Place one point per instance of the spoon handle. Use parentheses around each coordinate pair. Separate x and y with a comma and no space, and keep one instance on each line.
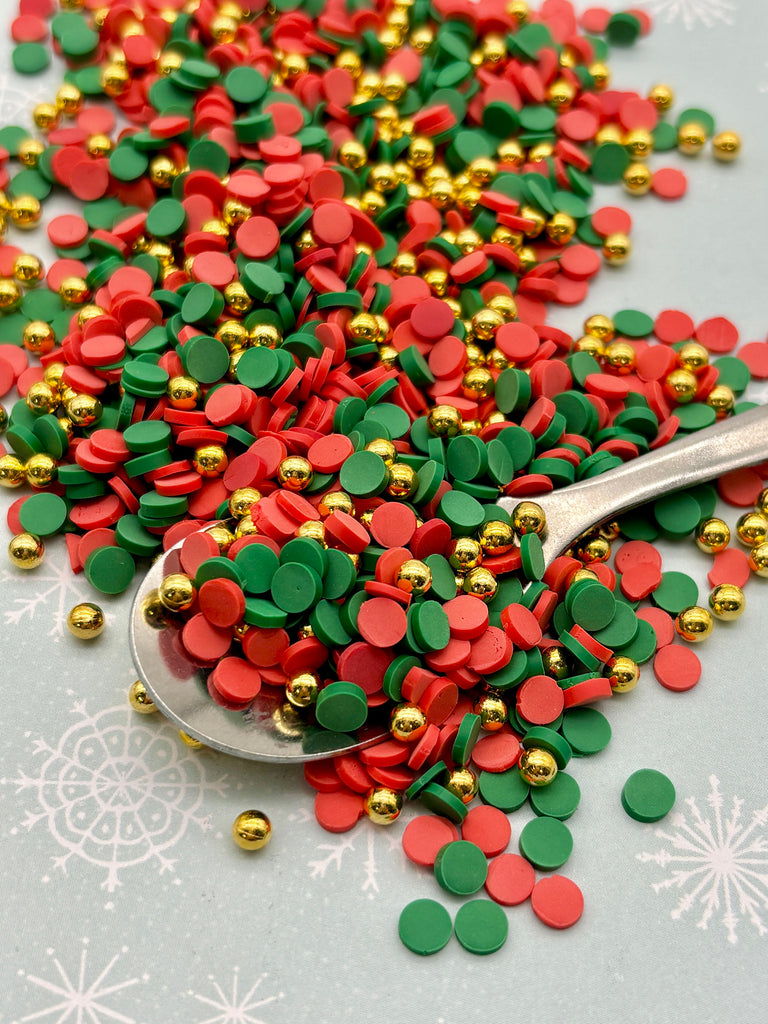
(732,444)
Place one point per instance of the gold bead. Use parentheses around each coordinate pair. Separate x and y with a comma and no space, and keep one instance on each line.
(620,357)
(407,723)
(492,710)
(537,218)
(382,178)
(223,536)
(85,621)
(538,767)
(610,530)
(712,536)
(692,356)
(30,151)
(616,249)
(505,305)
(480,582)
(556,664)
(693,624)
(153,612)
(726,601)
(561,94)
(190,741)
(752,529)
(210,460)
(73,291)
(245,527)
(10,295)
(163,172)
(349,61)
(362,327)
(726,146)
(295,473)
(12,473)
(601,75)
(46,116)
(593,548)
(140,700)
(313,529)
(414,577)
(600,326)
(467,200)
(691,138)
(384,449)
(242,500)
(114,79)
(761,505)
(372,203)
(383,805)
(511,152)
(561,228)
(609,133)
(464,553)
(496,360)
(99,145)
(403,480)
(83,410)
(28,269)
(444,421)
(496,537)
(639,142)
(223,29)
(393,86)
(3,419)
(177,592)
(265,336)
(26,551)
(478,383)
(251,830)
(582,574)
(183,392)
(722,399)
(69,99)
(353,154)
(474,355)
(168,61)
(485,322)
(758,560)
(421,38)
(637,179)
(462,782)
(388,356)
(41,398)
(662,97)
(237,298)
(40,470)
(336,501)
(440,193)
(681,386)
(468,240)
(481,171)
(235,213)
(519,10)
(302,689)
(528,517)
(623,673)
(38,337)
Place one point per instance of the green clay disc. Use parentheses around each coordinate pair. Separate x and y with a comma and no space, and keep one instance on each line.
(593,607)
(532,556)
(643,646)
(633,323)
(506,790)
(30,58)
(587,730)
(110,570)
(546,843)
(648,795)
(364,474)
(341,707)
(296,588)
(442,801)
(466,738)
(424,927)
(677,514)
(43,514)
(481,927)
(461,867)
(676,591)
(558,799)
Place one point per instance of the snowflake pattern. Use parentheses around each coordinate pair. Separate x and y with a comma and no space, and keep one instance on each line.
(333,855)
(17,98)
(708,12)
(116,793)
(719,861)
(75,999)
(234,1009)
(58,589)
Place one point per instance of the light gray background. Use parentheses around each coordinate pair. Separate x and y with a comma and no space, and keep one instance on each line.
(125,899)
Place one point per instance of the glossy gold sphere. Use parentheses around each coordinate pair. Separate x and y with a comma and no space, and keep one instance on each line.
(190,741)
(74,291)
(10,295)
(153,611)
(85,621)
(726,146)
(407,723)
(496,537)
(713,535)
(83,410)
(681,386)
(223,537)
(758,560)
(384,449)
(336,501)
(403,481)
(210,460)
(140,700)
(556,663)
(593,548)
(444,420)
(362,327)
(693,624)
(691,138)
(251,830)
(623,673)
(69,99)
(620,357)
(40,469)
(722,399)
(561,228)
(12,472)
(414,577)
(26,551)
(637,179)
(492,710)
(464,553)
(639,143)
(752,529)
(481,583)
(41,398)
(478,383)
(28,269)
(761,505)
(462,782)
(25,212)
(662,97)
(528,517)
(537,767)
(616,249)
(383,805)
(177,592)
(242,500)
(726,601)
(302,689)
(295,473)
(692,356)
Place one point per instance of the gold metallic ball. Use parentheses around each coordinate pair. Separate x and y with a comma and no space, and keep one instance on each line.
(403,481)
(241,501)
(609,133)
(83,410)
(251,830)
(713,535)
(691,138)
(752,529)
(692,356)
(407,723)
(302,689)
(26,551)
(223,537)
(758,559)
(190,741)
(511,152)
(10,295)
(210,460)
(383,805)
(41,398)
(639,142)
(662,97)
(496,537)
(505,305)
(637,179)
(3,419)
(28,269)
(611,530)
(556,664)
(100,145)
(561,228)
(616,249)
(38,337)
(623,673)
(620,357)
(496,360)
(681,386)
(537,219)
(693,624)
(538,767)
(295,473)
(761,505)
(45,116)
(40,470)
(593,548)
(362,327)
(384,449)
(335,501)
(265,336)
(600,326)
(528,517)
(69,99)
(245,527)
(462,782)
(561,94)
(726,146)
(414,577)
(404,264)
(177,592)
(601,75)
(183,392)
(114,79)
(237,298)
(492,710)
(74,291)
(480,583)
(464,553)
(722,399)
(235,213)
(140,700)
(12,472)
(727,601)
(314,529)
(153,612)
(85,621)
(485,323)
(234,334)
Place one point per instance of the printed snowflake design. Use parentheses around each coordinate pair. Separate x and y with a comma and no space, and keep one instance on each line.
(17,99)
(117,793)
(708,12)
(75,999)
(720,860)
(334,855)
(58,588)
(234,1009)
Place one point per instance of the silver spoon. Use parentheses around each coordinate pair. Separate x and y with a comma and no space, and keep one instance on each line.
(266,732)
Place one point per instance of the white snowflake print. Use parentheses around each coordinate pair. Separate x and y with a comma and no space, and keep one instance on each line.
(708,12)
(117,793)
(234,1008)
(17,98)
(57,588)
(718,860)
(81,997)
(333,853)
